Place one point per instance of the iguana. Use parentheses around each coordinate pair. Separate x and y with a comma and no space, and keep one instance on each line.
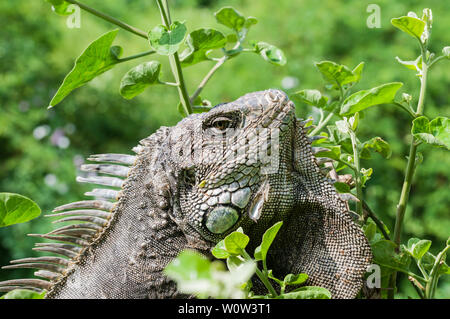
(247,163)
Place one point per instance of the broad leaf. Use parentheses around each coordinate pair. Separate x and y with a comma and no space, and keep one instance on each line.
(61,7)
(385,255)
(23,294)
(96,59)
(199,42)
(189,265)
(231,18)
(167,41)
(292,279)
(15,209)
(363,99)
(418,248)
(219,251)
(270,53)
(308,292)
(410,25)
(236,242)
(311,97)
(415,65)
(268,238)
(435,133)
(338,74)
(333,153)
(135,81)
(376,144)
(342,187)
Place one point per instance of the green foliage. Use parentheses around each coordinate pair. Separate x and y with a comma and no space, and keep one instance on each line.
(435,132)
(139,78)
(267,240)
(95,60)
(410,25)
(199,43)
(23,294)
(167,40)
(15,209)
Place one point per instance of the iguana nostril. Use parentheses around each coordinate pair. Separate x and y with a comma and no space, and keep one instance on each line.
(220,219)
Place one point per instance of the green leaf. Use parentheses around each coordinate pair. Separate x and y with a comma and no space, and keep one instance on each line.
(370,230)
(376,144)
(199,42)
(435,133)
(415,65)
(384,254)
(271,276)
(338,74)
(268,238)
(219,251)
(410,25)
(292,279)
(167,41)
(61,7)
(363,99)
(96,59)
(418,248)
(234,262)
(307,292)
(231,18)
(236,242)
(270,53)
(333,153)
(23,294)
(15,209)
(342,187)
(187,266)
(136,80)
(366,173)
(311,97)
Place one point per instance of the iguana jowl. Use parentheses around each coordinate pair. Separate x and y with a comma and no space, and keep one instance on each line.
(187,187)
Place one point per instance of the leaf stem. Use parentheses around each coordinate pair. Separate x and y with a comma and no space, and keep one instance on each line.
(321,124)
(136,56)
(110,19)
(359,193)
(410,168)
(208,76)
(376,220)
(261,276)
(175,63)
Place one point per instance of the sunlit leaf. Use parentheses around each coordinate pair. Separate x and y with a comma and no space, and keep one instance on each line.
(236,242)
(311,97)
(199,42)
(61,7)
(376,144)
(167,41)
(307,292)
(231,18)
(15,209)
(270,53)
(23,294)
(268,238)
(435,132)
(136,80)
(96,59)
(410,25)
(339,75)
(219,251)
(363,99)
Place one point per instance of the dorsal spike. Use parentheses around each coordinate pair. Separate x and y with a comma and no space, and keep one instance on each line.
(36,283)
(103,193)
(84,212)
(56,250)
(11,288)
(46,259)
(113,158)
(82,233)
(43,266)
(102,180)
(90,226)
(47,275)
(98,204)
(117,170)
(99,221)
(66,239)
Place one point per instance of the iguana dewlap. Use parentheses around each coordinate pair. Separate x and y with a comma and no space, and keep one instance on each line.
(247,163)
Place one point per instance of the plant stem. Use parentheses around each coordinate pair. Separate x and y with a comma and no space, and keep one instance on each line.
(261,276)
(207,77)
(434,274)
(175,63)
(410,167)
(108,18)
(136,56)
(377,221)
(321,124)
(359,194)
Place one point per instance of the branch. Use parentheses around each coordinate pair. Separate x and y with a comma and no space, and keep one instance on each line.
(108,18)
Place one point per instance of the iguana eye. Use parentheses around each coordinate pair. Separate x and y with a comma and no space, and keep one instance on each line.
(221,123)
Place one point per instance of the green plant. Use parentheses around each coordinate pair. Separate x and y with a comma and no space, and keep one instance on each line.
(165,39)
(345,151)
(196,275)
(15,209)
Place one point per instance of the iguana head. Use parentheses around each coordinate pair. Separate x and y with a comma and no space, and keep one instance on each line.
(231,166)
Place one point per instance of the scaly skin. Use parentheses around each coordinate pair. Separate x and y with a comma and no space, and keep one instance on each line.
(245,164)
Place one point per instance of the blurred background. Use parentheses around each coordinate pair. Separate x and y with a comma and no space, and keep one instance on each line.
(41,149)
